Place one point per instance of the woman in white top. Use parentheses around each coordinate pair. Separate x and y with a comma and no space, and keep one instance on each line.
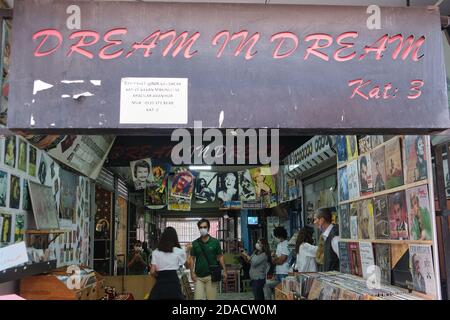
(306,252)
(166,260)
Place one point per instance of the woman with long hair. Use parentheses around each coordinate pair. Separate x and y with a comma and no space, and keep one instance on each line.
(166,260)
(259,264)
(306,251)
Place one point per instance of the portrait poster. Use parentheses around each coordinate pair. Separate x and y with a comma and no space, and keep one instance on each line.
(380,205)
(265,187)
(398,216)
(182,185)
(22,155)
(32,160)
(6,228)
(365,144)
(365,174)
(353,180)
(10,151)
(83,153)
(176,203)
(246,188)
(14,192)
(393,164)
(3,188)
(366,220)
(205,187)
(67,194)
(228,191)
(343,184)
(352,148)
(44,206)
(160,172)
(419,213)
(354,208)
(422,269)
(378,169)
(341,146)
(19,229)
(344,221)
(141,171)
(415,158)
(43,169)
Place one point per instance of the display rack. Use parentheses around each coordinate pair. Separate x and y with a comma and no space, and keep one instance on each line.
(28,270)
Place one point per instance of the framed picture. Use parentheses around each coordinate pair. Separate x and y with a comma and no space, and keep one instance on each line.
(44,206)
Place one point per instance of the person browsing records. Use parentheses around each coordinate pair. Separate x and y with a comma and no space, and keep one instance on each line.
(166,261)
(328,250)
(206,258)
(306,251)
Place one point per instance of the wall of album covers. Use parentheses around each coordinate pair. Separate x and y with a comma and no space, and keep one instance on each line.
(385,215)
(22,164)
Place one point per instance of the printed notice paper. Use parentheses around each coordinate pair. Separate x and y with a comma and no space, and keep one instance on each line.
(154,101)
(13,255)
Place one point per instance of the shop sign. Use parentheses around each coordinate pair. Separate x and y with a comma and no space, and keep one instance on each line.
(312,153)
(166,65)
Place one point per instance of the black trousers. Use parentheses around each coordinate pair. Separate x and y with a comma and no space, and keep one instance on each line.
(258,288)
(167,286)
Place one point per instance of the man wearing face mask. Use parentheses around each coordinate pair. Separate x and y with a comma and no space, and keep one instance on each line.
(137,264)
(205,256)
(327,256)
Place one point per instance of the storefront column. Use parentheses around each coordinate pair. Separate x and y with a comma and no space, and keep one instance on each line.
(244,230)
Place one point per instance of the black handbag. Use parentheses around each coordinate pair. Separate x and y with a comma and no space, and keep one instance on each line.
(215,270)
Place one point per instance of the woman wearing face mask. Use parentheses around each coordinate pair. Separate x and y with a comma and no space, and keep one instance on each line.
(259,263)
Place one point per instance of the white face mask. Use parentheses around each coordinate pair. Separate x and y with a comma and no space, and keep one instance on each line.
(203,231)
(258,247)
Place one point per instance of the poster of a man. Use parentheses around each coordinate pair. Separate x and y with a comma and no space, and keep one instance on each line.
(142,173)
(10,151)
(182,184)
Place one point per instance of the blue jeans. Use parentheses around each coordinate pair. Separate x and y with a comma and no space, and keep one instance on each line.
(258,288)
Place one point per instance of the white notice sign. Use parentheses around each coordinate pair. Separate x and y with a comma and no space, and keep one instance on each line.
(13,255)
(154,101)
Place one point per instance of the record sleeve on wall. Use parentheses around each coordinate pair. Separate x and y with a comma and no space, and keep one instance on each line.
(343,184)
(341,145)
(344,221)
(352,148)
(44,206)
(381,218)
(378,169)
(383,261)
(398,217)
(422,269)
(228,191)
(365,144)
(344,260)
(365,220)
(367,258)
(354,208)
(365,175)
(393,164)
(353,181)
(419,217)
(415,158)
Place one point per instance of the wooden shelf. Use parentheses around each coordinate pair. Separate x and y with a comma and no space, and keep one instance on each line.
(46,231)
(389,241)
(387,191)
(368,152)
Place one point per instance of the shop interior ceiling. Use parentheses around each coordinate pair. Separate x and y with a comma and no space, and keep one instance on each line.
(444,5)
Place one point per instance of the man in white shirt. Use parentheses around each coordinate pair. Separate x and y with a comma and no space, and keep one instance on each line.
(328,252)
(280,260)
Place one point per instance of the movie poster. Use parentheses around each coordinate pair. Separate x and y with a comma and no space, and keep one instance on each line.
(32,161)
(352,148)
(265,187)
(3,188)
(418,205)
(344,221)
(393,164)
(343,184)
(141,171)
(365,144)
(10,151)
(422,269)
(14,192)
(381,218)
(365,174)
(341,146)
(353,181)
(415,158)
(383,261)
(6,228)
(354,208)
(228,191)
(182,185)
(205,187)
(19,229)
(366,220)
(378,169)
(83,153)
(155,195)
(398,217)
(22,156)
